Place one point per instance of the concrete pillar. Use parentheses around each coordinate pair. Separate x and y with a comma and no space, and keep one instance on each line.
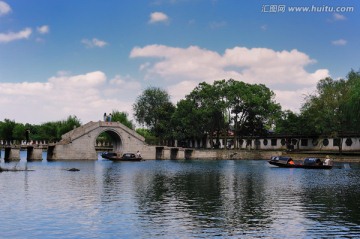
(167,154)
(181,154)
(12,154)
(34,154)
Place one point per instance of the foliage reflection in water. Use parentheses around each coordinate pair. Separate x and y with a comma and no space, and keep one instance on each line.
(178,199)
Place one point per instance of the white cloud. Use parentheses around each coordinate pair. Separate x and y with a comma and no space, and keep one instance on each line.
(157,17)
(13,36)
(89,80)
(292,99)
(94,43)
(126,83)
(43,29)
(338,17)
(4,8)
(178,91)
(184,68)
(340,42)
(87,96)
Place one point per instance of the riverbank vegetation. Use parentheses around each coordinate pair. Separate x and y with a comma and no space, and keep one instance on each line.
(227,108)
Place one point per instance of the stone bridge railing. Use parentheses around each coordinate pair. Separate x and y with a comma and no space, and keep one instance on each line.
(22,142)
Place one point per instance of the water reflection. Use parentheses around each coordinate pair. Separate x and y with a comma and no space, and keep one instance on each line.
(178,199)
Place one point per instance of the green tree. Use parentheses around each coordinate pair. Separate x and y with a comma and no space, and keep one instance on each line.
(289,123)
(6,129)
(19,132)
(352,102)
(324,110)
(122,117)
(150,138)
(67,125)
(164,128)
(187,120)
(209,107)
(149,108)
(249,109)
(48,131)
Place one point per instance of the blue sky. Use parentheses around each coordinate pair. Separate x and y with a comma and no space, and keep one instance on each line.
(87,57)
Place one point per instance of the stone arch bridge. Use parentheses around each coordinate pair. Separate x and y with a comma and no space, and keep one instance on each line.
(79,144)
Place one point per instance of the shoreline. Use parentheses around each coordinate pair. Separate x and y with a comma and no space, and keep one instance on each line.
(232,154)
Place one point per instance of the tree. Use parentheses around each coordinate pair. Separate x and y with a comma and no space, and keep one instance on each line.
(249,109)
(324,110)
(188,121)
(67,125)
(6,129)
(163,128)
(207,103)
(122,117)
(149,136)
(19,132)
(289,123)
(149,108)
(352,102)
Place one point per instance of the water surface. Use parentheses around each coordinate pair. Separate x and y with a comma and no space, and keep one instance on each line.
(178,199)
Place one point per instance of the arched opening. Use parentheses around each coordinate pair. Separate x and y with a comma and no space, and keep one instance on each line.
(108,141)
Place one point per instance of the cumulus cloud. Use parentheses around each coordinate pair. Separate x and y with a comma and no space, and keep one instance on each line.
(13,36)
(126,83)
(94,43)
(184,68)
(87,96)
(4,8)
(43,29)
(340,42)
(157,17)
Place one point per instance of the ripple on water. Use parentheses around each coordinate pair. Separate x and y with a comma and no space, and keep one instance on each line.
(178,199)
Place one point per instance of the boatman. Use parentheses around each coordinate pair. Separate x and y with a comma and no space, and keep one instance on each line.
(138,155)
(327,160)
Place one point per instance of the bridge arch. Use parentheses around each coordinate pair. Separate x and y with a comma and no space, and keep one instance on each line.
(115,138)
(79,144)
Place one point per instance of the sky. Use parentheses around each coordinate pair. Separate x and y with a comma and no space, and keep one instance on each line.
(87,57)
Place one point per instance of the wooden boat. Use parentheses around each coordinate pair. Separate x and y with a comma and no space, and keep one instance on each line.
(308,163)
(118,157)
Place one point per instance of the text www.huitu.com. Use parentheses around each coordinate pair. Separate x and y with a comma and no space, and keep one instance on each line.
(270,8)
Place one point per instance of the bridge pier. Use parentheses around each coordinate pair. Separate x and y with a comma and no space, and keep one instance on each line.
(34,154)
(172,153)
(12,154)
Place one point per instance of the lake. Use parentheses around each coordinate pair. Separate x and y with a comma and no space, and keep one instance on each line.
(178,199)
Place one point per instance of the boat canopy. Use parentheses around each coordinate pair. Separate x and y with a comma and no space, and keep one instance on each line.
(312,161)
(281,159)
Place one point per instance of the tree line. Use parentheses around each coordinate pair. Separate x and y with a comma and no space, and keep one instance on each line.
(226,108)
(249,110)
(50,131)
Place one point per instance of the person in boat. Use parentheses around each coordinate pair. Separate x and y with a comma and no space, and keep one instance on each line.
(138,155)
(291,162)
(327,161)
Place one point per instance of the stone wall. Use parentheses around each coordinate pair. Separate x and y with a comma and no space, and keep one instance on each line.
(233,154)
